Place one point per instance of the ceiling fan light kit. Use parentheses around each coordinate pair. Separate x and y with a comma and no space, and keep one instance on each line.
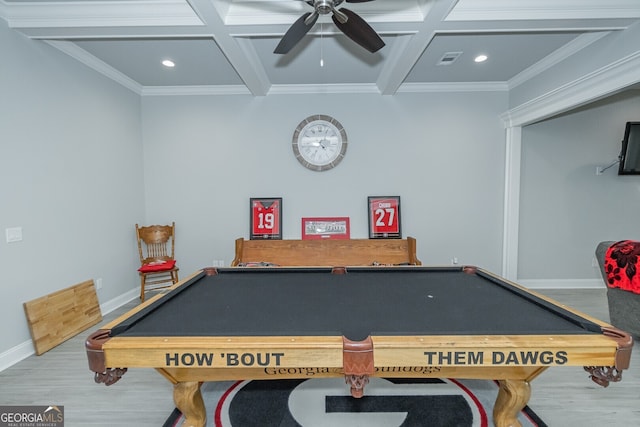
(347,21)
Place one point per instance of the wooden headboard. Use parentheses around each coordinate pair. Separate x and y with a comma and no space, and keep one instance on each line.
(338,252)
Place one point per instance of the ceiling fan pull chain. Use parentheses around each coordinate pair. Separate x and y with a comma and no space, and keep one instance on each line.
(321,46)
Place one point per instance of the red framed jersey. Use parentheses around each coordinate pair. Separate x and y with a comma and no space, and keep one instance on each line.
(384,217)
(266,218)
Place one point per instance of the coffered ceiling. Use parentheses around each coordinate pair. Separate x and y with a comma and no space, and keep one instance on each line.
(226,46)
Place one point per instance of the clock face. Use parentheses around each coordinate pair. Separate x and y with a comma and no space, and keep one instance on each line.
(319,142)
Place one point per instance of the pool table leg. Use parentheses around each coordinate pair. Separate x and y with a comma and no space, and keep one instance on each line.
(188,399)
(512,397)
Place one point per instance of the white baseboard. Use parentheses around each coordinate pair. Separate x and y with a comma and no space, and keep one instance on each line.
(562,283)
(15,354)
(22,351)
(119,301)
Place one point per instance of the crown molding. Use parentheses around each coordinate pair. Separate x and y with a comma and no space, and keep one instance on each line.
(243,90)
(556,57)
(454,87)
(194,90)
(363,88)
(607,80)
(292,89)
(96,64)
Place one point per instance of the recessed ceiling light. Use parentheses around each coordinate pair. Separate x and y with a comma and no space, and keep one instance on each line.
(168,63)
(481,58)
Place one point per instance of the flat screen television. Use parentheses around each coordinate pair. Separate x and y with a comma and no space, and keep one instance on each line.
(630,154)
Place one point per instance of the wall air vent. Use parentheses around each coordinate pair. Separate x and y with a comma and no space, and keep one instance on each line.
(449,58)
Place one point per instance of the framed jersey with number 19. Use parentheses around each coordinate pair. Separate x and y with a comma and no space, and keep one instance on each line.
(266,218)
(384,217)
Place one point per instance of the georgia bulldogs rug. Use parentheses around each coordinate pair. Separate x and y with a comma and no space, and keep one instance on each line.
(327,403)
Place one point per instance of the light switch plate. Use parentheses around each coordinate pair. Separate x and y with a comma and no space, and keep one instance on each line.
(14,234)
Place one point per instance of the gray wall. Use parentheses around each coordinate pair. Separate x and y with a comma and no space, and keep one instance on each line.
(71,177)
(565,208)
(442,153)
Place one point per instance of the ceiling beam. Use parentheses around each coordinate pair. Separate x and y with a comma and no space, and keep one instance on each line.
(241,55)
(100,14)
(475,10)
(407,52)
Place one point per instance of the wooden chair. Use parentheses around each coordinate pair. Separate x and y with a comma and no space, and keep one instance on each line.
(156,246)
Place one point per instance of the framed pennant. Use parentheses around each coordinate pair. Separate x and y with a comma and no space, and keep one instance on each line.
(325,228)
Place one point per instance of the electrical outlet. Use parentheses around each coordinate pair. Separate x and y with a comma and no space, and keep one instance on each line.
(454,261)
(13,234)
(99,283)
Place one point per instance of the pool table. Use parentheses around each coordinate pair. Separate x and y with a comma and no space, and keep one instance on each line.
(356,322)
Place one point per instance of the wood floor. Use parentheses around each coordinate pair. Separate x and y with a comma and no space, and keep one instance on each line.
(561,396)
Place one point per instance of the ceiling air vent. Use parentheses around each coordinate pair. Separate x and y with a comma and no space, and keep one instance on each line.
(449,58)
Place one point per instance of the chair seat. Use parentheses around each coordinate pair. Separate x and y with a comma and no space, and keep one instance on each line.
(157,266)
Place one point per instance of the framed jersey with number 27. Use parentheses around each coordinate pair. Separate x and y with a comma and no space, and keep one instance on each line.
(384,217)
(266,218)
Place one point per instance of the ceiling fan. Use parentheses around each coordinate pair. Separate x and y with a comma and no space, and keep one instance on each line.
(350,23)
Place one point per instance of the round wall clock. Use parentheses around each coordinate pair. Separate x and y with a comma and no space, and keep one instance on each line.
(319,142)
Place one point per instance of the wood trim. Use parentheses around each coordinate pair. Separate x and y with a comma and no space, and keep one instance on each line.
(351,252)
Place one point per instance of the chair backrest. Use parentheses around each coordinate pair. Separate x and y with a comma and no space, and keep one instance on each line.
(156,242)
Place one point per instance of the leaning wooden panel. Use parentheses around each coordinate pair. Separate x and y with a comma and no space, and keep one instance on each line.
(56,317)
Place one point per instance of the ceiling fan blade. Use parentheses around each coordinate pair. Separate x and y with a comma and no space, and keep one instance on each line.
(359,31)
(295,33)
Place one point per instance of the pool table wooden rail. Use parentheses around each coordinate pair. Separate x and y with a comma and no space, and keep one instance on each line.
(297,356)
